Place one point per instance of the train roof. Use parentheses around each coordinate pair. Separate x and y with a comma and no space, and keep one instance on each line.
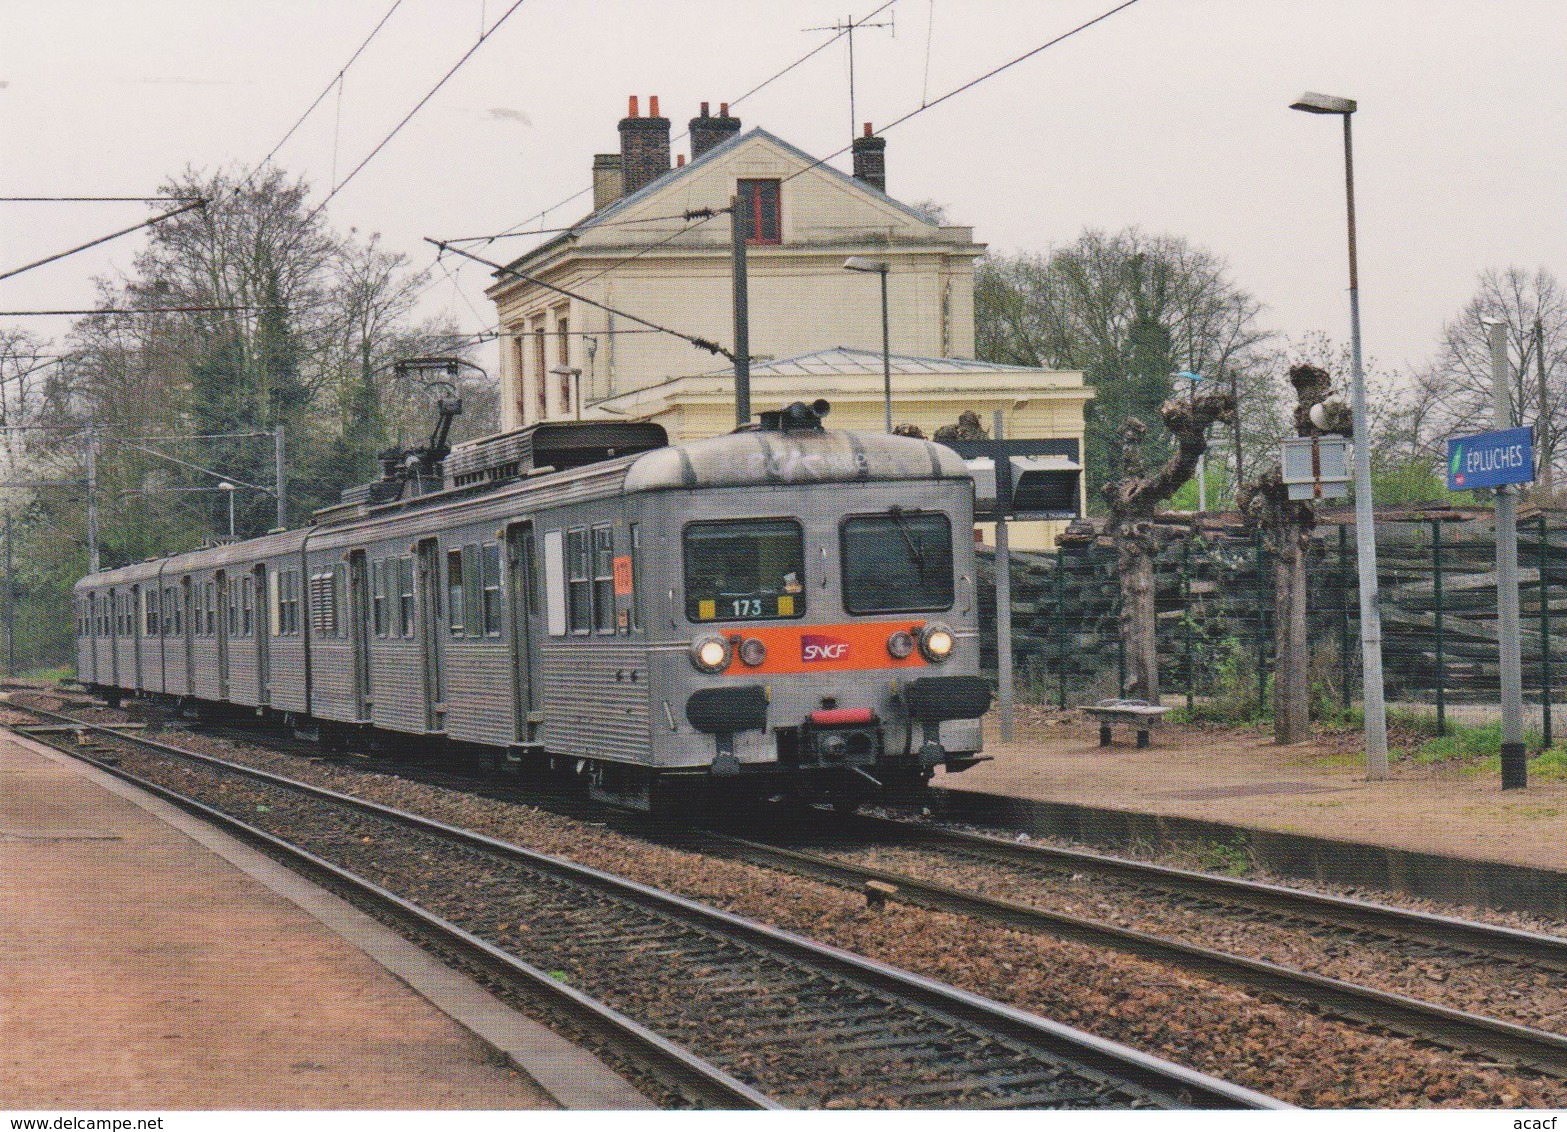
(793,457)
(760,457)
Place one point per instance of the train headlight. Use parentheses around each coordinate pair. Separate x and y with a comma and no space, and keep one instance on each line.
(900,644)
(710,654)
(937,642)
(752,652)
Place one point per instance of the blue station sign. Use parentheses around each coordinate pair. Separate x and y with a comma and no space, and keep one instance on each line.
(1490,459)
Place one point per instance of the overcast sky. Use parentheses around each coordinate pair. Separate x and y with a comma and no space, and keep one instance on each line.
(1172,115)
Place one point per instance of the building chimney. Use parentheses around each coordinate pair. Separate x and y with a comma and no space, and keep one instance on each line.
(608,187)
(707,131)
(870,159)
(644,146)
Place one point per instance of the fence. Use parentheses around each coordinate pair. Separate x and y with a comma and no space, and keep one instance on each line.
(1214,595)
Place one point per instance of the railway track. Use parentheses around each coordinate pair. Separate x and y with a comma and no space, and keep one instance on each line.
(1411,938)
(723,1011)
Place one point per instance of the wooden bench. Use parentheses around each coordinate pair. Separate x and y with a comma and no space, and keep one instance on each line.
(1133,713)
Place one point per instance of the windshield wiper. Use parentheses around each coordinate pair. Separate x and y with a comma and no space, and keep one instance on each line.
(902,524)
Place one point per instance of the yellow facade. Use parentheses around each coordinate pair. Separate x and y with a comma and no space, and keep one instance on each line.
(815,327)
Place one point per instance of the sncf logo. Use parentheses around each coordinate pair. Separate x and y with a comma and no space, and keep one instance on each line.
(815,646)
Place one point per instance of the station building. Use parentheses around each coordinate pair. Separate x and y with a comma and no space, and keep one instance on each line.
(656,246)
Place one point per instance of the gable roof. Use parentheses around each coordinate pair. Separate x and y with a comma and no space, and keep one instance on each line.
(718,152)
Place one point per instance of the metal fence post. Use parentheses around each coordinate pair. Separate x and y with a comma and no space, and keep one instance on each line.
(1441,661)
(1063,652)
(1343,615)
(1545,637)
(1262,631)
(1186,621)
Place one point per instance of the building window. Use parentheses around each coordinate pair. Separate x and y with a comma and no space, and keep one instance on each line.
(563,360)
(540,378)
(765,225)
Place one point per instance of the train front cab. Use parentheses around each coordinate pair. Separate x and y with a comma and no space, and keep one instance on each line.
(830,633)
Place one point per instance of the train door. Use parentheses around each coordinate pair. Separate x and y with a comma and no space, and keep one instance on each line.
(427,562)
(359,627)
(188,598)
(115,600)
(523,609)
(138,619)
(223,634)
(263,626)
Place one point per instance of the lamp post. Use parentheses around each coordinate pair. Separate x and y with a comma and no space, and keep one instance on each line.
(575,374)
(879,267)
(1365,516)
(229,489)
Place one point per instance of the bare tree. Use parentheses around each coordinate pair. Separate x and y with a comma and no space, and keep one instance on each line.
(1134,500)
(1287,524)
(1127,309)
(1534,308)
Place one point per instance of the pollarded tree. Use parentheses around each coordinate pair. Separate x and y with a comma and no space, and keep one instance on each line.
(1134,498)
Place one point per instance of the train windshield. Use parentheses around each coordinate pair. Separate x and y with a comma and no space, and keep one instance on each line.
(899,562)
(745,570)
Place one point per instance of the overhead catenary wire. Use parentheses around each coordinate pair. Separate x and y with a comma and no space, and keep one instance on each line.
(699,343)
(384,142)
(197,203)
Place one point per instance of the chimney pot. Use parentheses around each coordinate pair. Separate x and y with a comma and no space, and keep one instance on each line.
(870,159)
(652,106)
(706,131)
(644,147)
(631,108)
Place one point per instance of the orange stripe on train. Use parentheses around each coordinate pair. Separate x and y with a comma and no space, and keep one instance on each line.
(823,648)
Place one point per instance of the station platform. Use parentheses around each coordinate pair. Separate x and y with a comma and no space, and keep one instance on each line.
(1241,778)
(148,962)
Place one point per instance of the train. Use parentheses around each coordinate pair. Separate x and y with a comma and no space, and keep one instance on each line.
(784,611)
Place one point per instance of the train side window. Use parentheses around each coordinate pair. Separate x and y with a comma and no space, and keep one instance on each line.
(232,612)
(210,603)
(472,591)
(604,579)
(378,596)
(454,595)
(579,581)
(554,584)
(178,598)
(405,596)
(490,558)
(247,605)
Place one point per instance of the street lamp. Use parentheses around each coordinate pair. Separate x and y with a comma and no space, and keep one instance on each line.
(576,385)
(1365,516)
(229,489)
(879,267)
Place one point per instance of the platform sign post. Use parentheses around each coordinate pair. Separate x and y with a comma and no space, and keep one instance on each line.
(1501,459)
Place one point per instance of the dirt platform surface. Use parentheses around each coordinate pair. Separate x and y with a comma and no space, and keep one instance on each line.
(1242,777)
(138,970)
